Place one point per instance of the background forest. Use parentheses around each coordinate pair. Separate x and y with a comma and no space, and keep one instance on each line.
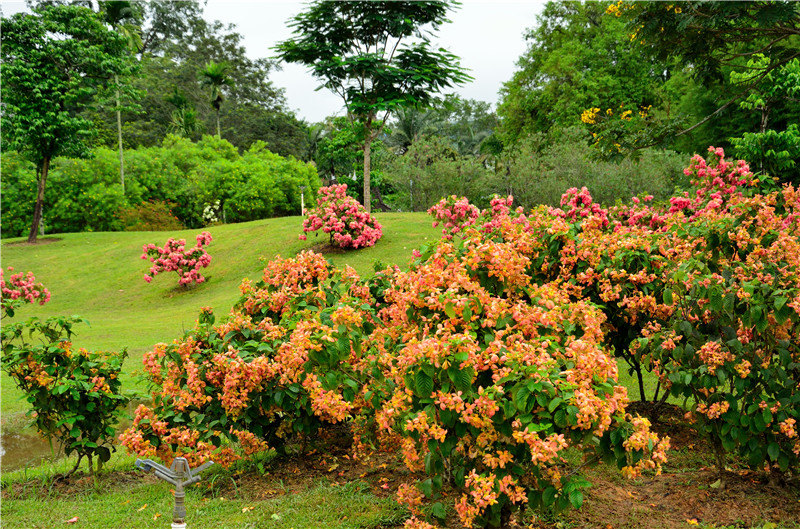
(195,132)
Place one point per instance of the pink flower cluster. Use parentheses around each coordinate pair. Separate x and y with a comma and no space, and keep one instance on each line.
(455,214)
(580,205)
(22,287)
(714,185)
(176,257)
(343,218)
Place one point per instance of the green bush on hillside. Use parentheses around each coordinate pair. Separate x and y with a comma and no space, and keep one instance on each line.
(86,195)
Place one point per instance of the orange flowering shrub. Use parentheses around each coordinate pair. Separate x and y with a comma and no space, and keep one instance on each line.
(485,378)
(703,293)
(731,343)
(280,365)
(480,376)
(75,395)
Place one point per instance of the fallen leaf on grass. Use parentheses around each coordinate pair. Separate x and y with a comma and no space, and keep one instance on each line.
(385,486)
(156,516)
(333,467)
(247,509)
(71,520)
(692,521)
(143,507)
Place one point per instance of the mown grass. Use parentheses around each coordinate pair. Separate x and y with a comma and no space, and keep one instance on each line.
(149,504)
(100,277)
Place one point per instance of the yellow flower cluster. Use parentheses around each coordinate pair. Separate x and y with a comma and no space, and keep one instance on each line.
(589,116)
(618,8)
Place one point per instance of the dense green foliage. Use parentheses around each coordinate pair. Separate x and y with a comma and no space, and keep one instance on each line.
(54,61)
(534,171)
(190,176)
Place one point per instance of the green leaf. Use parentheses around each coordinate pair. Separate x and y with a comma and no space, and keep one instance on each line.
(423,383)
(438,510)
(576,498)
(549,496)
(773,451)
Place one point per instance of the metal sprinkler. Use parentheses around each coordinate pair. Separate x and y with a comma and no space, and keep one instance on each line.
(177,475)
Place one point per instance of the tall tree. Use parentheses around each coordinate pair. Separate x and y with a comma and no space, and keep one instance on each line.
(215,75)
(54,61)
(715,38)
(376,55)
(125,18)
(578,57)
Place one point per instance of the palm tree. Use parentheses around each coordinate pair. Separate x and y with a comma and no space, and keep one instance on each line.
(184,118)
(125,18)
(215,75)
(410,123)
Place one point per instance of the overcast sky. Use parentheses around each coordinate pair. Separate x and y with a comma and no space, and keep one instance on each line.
(487,35)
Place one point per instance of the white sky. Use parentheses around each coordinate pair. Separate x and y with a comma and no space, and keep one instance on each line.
(488,36)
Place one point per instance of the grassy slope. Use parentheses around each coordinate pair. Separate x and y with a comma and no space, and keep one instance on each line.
(99,276)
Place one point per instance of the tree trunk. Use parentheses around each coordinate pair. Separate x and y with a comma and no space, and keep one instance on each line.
(218,135)
(367,149)
(37,210)
(119,140)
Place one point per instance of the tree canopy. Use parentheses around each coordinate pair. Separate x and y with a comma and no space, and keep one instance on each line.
(55,61)
(376,55)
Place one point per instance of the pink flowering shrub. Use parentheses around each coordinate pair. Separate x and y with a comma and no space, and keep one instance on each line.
(715,184)
(174,256)
(579,205)
(455,214)
(345,220)
(19,289)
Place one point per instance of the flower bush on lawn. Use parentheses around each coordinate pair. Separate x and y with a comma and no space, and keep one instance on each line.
(75,395)
(345,220)
(174,256)
(702,292)
(19,289)
(489,381)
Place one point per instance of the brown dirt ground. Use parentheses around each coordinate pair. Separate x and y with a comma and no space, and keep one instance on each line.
(40,240)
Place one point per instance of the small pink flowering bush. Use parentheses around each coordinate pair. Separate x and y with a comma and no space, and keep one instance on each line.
(176,257)
(455,214)
(345,220)
(19,289)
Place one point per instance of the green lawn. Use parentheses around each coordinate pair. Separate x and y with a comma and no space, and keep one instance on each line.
(100,277)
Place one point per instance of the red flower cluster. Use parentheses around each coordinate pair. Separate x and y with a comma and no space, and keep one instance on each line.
(343,218)
(176,257)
